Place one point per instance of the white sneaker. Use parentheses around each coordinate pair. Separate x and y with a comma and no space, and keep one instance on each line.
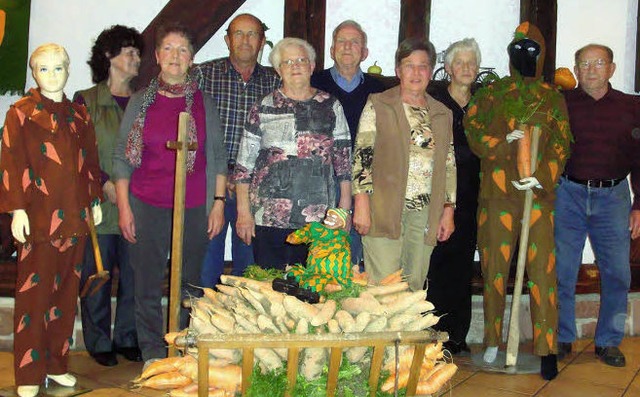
(66,380)
(28,391)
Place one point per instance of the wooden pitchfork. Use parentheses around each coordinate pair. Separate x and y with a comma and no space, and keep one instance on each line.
(102,276)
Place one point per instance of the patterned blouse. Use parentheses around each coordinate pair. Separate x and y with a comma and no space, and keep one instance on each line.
(418,192)
(291,153)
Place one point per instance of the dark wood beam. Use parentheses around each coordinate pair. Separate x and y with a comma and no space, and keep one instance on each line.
(637,86)
(201,17)
(543,14)
(415,19)
(306,19)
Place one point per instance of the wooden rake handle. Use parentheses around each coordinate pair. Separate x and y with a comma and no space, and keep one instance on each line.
(101,276)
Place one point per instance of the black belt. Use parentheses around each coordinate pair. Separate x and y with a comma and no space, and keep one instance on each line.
(595,182)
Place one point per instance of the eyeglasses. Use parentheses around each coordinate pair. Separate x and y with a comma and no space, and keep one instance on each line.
(239,34)
(298,62)
(597,63)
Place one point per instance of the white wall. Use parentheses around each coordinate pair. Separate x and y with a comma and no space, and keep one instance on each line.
(76,23)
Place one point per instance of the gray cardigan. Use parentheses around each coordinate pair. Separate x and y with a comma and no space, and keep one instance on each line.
(215,150)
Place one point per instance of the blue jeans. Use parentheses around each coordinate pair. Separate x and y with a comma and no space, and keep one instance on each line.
(603,215)
(241,253)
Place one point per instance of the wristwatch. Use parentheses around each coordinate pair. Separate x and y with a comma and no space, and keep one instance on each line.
(221,198)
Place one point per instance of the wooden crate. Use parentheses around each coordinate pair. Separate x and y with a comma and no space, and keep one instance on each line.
(335,342)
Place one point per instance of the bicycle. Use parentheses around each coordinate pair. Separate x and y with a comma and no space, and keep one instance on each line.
(485,75)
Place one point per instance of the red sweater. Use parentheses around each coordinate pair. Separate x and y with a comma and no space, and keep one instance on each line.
(606,137)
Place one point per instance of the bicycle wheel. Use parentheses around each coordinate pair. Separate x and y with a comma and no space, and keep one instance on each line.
(486,77)
(441,74)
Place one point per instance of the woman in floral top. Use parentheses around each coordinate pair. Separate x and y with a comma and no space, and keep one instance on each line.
(295,146)
(404,174)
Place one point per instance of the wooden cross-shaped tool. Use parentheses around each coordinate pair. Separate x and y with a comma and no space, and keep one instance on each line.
(182,148)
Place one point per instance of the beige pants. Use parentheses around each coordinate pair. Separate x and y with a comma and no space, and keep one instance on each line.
(383,256)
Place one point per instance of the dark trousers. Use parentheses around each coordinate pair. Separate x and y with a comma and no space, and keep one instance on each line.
(450,276)
(271,250)
(241,253)
(148,258)
(96,309)
(45,308)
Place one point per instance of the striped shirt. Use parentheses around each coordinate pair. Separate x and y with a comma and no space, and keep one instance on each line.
(234,97)
(607,137)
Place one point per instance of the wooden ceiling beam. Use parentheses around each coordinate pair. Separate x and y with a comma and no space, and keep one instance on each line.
(201,17)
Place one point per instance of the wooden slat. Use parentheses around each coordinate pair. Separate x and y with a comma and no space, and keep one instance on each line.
(247,368)
(203,374)
(334,369)
(292,370)
(201,17)
(376,366)
(543,14)
(415,19)
(416,364)
(306,19)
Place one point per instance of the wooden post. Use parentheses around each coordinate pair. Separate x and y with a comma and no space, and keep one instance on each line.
(306,19)
(637,85)
(181,147)
(543,14)
(514,321)
(415,19)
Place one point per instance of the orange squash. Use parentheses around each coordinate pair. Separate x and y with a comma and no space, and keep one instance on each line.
(564,79)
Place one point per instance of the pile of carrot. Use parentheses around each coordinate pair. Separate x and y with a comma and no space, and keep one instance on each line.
(179,375)
(243,305)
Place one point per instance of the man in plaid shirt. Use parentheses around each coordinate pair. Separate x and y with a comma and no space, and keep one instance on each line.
(235,82)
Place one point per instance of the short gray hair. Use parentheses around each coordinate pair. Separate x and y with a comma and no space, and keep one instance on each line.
(353,24)
(467,44)
(49,47)
(275,57)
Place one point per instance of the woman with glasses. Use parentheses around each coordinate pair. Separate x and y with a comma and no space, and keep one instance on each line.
(295,146)
(404,173)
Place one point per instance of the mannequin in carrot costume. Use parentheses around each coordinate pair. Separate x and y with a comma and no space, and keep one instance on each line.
(50,179)
(329,259)
(499,120)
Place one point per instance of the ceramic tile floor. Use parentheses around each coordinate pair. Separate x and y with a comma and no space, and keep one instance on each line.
(581,375)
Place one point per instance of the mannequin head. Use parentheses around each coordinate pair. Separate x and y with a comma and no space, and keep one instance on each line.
(526,52)
(49,65)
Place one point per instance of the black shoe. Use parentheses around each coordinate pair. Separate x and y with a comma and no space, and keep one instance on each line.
(107,359)
(549,367)
(611,355)
(285,285)
(130,353)
(306,295)
(564,349)
(457,348)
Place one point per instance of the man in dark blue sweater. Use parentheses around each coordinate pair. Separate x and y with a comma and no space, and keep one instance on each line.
(346,81)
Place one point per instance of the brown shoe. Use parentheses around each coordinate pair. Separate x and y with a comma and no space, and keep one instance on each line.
(611,355)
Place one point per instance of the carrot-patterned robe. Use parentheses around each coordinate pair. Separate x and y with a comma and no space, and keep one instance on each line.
(329,258)
(49,167)
(493,113)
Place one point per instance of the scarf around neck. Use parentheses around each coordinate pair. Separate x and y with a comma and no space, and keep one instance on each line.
(133,151)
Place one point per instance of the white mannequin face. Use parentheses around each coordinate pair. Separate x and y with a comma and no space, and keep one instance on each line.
(51,74)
